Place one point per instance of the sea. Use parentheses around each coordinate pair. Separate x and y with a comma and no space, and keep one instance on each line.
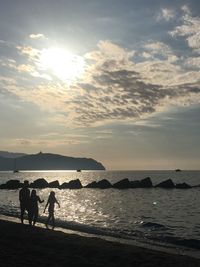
(152,217)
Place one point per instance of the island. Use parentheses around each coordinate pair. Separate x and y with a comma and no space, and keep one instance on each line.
(48,161)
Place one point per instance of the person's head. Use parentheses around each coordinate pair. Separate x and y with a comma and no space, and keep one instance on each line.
(33,193)
(26,184)
(52,194)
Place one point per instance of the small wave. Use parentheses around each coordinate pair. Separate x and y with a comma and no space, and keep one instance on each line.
(161,238)
(153,225)
(190,243)
(132,234)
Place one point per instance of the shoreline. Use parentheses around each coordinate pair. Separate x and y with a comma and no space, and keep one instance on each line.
(147,244)
(47,240)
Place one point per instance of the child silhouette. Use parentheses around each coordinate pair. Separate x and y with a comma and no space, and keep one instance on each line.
(51,203)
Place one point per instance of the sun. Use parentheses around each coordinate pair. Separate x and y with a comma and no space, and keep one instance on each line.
(63,64)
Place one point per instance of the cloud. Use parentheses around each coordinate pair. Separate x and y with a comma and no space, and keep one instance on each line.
(2,41)
(146,55)
(110,51)
(32,53)
(190,30)
(32,59)
(193,62)
(166,14)
(25,68)
(37,36)
(7,81)
(7,62)
(159,49)
(147,123)
(186,9)
(114,88)
(48,142)
(119,89)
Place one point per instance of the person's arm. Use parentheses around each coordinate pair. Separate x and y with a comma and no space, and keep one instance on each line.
(57,202)
(46,206)
(40,201)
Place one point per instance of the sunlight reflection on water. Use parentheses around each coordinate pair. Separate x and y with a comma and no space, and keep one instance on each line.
(121,211)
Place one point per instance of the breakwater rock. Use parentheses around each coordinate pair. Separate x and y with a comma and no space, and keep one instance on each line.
(73,184)
(168,184)
(125,183)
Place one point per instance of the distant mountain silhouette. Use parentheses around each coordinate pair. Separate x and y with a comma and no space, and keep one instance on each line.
(48,161)
(13,155)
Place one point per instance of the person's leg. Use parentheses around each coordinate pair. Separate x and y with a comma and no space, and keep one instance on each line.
(48,219)
(35,216)
(53,220)
(22,208)
(30,215)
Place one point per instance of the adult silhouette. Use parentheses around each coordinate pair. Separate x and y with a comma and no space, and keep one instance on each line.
(24,199)
(33,206)
(51,203)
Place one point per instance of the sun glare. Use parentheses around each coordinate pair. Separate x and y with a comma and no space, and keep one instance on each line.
(63,64)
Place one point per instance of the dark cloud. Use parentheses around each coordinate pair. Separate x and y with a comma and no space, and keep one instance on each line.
(121,94)
(114,88)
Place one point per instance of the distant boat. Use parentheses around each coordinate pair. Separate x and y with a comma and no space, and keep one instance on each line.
(177,170)
(78,170)
(15,167)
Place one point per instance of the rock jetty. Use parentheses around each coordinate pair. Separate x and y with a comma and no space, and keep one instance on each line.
(125,183)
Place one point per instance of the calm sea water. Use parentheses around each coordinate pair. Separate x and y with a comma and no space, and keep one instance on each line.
(158,215)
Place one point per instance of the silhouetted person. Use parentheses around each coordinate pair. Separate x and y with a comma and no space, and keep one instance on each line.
(24,198)
(34,210)
(51,203)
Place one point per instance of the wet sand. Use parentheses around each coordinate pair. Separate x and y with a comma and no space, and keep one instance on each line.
(22,245)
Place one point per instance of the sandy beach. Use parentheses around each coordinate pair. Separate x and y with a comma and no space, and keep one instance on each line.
(22,245)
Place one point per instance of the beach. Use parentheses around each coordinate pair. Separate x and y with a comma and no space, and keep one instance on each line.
(152,218)
(22,245)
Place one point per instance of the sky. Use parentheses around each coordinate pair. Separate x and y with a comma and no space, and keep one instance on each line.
(117,81)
